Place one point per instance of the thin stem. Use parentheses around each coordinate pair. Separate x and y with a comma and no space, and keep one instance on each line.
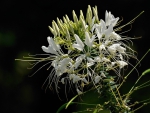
(144,100)
(133,68)
(130,22)
(115,96)
(139,107)
(143,84)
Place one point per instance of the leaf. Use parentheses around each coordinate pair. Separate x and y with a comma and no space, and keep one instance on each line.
(146,71)
(70,101)
(66,104)
(61,107)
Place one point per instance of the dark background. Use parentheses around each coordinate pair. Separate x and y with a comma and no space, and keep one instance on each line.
(24,29)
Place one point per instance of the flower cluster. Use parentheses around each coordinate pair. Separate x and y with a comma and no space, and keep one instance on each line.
(83,50)
(86,51)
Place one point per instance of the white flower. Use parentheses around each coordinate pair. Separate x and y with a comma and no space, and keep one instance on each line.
(84,80)
(102,30)
(61,66)
(121,64)
(88,40)
(115,36)
(92,45)
(116,47)
(90,62)
(120,49)
(78,61)
(79,44)
(52,48)
(97,79)
(102,47)
(110,19)
(97,59)
(76,78)
(105,59)
(108,32)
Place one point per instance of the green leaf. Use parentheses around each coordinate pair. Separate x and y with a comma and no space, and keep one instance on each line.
(70,101)
(146,71)
(61,107)
(66,104)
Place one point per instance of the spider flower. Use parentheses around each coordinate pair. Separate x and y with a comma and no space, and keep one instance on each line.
(91,48)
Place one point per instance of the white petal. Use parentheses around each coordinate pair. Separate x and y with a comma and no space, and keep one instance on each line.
(97,59)
(63,64)
(102,47)
(97,79)
(71,76)
(84,80)
(112,50)
(115,36)
(89,73)
(58,73)
(90,64)
(103,26)
(113,63)
(105,59)
(114,22)
(110,19)
(79,44)
(79,92)
(120,56)
(108,31)
(65,61)
(76,78)
(99,35)
(63,80)
(78,61)
(54,63)
(121,49)
(52,43)
(106,16)
(90,59)
(121,64)
(87,39)
(93,20)
(102,74)
(45,49)
(77,64)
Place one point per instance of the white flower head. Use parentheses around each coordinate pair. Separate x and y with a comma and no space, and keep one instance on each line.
(83,50)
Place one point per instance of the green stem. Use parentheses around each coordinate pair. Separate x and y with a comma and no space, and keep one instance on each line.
(134,68)
(130,22)
(138,108)
(144,83)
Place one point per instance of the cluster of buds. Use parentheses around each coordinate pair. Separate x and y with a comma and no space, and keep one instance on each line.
(84,50)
